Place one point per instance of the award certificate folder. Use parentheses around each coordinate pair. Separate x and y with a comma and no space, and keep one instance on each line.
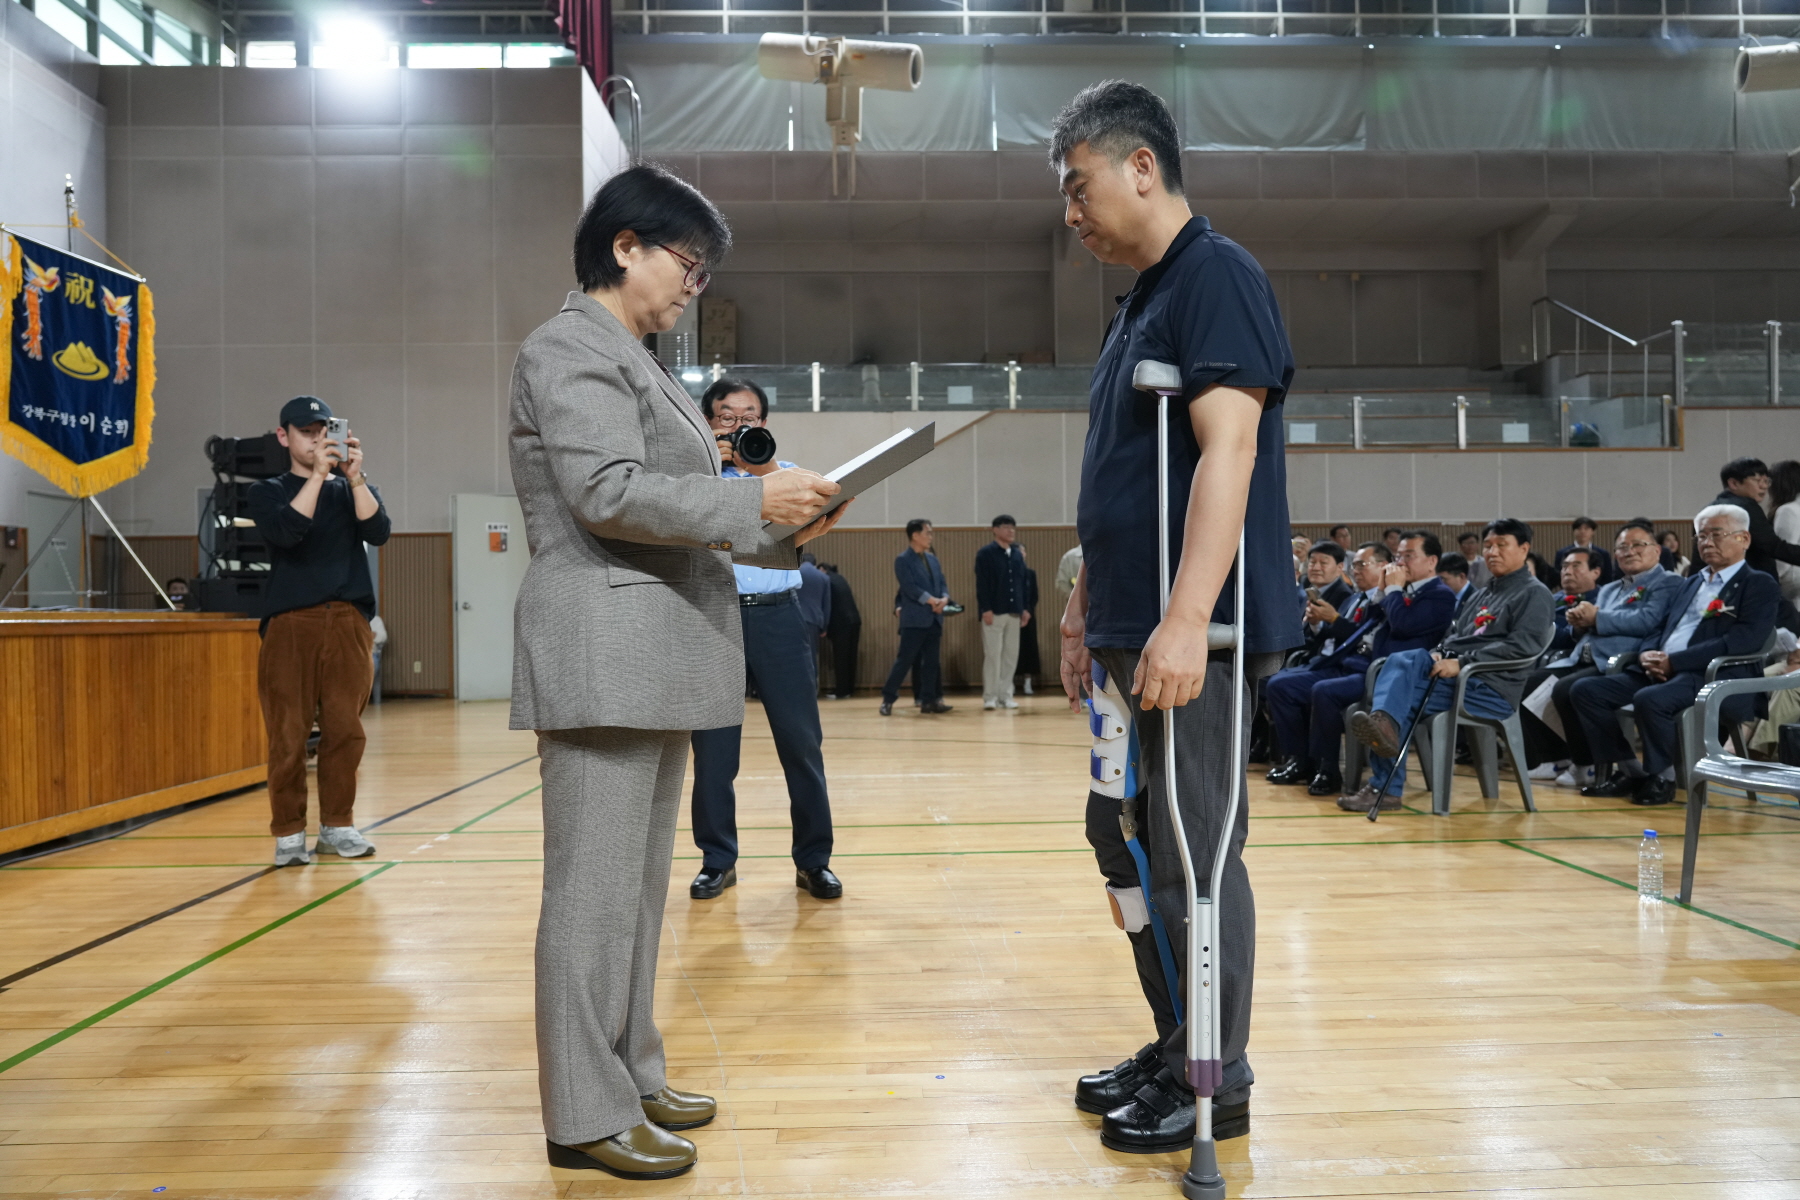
(870,468)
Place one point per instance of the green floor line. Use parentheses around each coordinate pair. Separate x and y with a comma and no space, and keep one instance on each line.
(1632,887)
(33,1051)
(490,812)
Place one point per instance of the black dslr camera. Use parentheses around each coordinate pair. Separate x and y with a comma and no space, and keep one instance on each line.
(751,445)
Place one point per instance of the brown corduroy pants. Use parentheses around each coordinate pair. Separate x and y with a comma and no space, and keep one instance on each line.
(315,662)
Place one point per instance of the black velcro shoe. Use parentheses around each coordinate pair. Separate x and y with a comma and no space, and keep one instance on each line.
(1102,1093)
(1160,1119)
(820,882)
(711,882)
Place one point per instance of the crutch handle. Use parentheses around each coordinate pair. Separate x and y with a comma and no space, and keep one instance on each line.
(1221,637)
(1152,376)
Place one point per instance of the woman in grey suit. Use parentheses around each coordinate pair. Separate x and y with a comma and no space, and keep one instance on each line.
(626,638)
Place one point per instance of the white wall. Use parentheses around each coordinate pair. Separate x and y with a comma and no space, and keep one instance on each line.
(50,126)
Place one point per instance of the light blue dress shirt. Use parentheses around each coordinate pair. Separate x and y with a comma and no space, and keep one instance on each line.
(1711,584)
(756,581)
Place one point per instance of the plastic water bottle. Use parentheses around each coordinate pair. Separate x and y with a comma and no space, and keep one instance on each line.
(1650,856)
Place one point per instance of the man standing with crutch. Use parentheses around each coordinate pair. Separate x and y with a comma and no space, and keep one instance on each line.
(1203,304)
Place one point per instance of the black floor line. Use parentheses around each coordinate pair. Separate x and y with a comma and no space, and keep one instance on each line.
(34,968)
(104,938)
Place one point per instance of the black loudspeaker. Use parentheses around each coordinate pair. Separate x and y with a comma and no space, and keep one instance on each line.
(239,595)
(1787,748)
(249,458)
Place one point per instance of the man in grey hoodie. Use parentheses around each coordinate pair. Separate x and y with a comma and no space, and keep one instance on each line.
(1510,618)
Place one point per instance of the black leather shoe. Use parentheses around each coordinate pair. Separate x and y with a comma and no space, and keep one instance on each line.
(936,706)
(887,708)
(1295,772)
(1326,783)
(820,882)
(1620,785)
(711,882)
(1160,1119)
(1102,1093)
(1654,792)
(1259,750)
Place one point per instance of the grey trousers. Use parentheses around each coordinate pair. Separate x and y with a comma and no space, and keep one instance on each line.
(610,801)
(1203,765)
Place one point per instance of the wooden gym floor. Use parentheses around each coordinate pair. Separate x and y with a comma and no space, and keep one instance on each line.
(1462,1006)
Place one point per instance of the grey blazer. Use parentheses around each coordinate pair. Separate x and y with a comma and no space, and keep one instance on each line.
(628,614)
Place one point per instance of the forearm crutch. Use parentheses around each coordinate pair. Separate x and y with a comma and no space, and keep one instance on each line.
(1205,1067)
(1405,745)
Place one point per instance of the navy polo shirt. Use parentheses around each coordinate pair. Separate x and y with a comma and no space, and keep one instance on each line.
(1206,306)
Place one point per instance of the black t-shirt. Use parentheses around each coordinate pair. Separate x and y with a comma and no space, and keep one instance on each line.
(1207,306)
(319,558)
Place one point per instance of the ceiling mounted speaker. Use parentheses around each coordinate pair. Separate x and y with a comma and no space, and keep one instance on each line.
(845,67)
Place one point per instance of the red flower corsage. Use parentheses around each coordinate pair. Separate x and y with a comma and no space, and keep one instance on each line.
(1483,619)
(1636,596)
(1570,600)
(1716,608)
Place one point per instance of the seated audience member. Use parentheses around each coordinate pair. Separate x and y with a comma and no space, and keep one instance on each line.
(1622,619)
(1584,529)
(176,590)
(1578,582)
(1784,510)
(1726,608)
(1470,545)
(1417,608)
(1343,651)
(1508,619)
(1784,709)
(1746,482)
(1453,569)
(1391,539)
(1341,535)
(1673,560)
(1324,571)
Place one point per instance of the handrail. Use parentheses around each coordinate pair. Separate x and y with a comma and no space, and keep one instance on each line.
(637,109)
(1577,313)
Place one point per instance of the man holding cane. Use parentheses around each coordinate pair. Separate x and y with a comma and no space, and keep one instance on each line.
(1203,303)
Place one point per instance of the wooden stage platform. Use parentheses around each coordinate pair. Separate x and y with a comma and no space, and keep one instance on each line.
(1460,1007)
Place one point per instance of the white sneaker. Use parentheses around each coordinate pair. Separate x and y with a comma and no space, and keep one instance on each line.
(1009,702)
(989,703)
(1575,777)
(1544,771)
(290,851)
(343,841)
(1028,690)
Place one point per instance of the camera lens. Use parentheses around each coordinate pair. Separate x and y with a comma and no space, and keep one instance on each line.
(753,445)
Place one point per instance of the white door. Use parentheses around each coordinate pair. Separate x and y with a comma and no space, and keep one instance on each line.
(56,580)
(488,557)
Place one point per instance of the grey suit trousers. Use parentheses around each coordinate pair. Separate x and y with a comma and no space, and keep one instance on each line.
(610,799)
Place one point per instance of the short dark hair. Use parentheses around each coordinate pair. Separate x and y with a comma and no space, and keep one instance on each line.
(1453,564)
(1642,523)
(1116,118)
(1004,519)
(810,557)
(1466,534)
(1428,542)
(1740,469)
(1327,547)
(662,209)
(1512,527)
(1335,528)
(724,386)
(1584,522)
(169,583)
(1380,549)
(915,525)
(1392,530)
(1588,557)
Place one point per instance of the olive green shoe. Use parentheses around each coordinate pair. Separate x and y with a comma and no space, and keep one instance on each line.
(679,1110)
(642,1152)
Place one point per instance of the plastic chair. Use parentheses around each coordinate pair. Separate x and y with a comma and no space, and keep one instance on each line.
(1439,741)
(1356,755)
(1733,770)
(1689,742)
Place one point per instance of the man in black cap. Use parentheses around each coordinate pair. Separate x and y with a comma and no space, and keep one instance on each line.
(316,648)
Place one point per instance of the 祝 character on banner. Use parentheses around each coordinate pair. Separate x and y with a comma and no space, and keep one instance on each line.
(119,309)
(38,284)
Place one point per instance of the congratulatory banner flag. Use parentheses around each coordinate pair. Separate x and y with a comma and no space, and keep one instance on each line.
(78,367)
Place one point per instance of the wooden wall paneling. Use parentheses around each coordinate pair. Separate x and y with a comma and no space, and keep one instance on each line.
(105,711)
(114,574)
(416,601)
(866,558)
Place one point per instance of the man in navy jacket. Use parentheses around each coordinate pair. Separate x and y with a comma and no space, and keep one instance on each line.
(923,596)
(1727,608)
(1417,607)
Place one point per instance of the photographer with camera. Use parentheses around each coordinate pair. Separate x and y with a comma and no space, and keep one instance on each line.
(781,662)
(315,628)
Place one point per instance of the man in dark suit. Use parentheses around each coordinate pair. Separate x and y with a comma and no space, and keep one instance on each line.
(1726,608)
(1341,651)
(1325,572)
(844,628)
(815,604)
(1453,571)
(1746,483)
(922,598)
(1584,529)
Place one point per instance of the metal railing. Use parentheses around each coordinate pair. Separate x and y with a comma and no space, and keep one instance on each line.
(1267,18)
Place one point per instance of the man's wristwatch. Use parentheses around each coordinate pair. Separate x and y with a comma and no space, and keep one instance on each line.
(359,481)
